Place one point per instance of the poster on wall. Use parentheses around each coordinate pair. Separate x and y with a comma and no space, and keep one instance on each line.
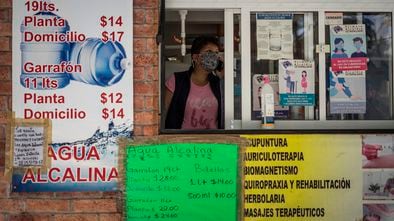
(296,83)
(72,65)
(348,48)
(378,176)
(378,151)
(347,90)
(302,177)
(379,211)
(281,112)
(274,34)
(182,181)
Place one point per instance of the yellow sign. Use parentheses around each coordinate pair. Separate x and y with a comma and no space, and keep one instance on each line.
(302,177)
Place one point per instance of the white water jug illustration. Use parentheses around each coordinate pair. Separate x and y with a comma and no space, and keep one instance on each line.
(104,63)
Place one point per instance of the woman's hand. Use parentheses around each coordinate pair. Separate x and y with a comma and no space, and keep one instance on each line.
(220,70)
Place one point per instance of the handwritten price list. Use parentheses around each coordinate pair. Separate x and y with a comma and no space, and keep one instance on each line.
(179,182)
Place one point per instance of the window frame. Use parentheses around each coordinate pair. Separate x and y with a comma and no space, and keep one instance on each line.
(245,8)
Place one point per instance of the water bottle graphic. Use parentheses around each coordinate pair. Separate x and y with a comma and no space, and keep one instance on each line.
(42,53)
(104,63)
(267,104)
(275,39)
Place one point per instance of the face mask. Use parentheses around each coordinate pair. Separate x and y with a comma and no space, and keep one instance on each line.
(339,46)
(209,60)
(358,45)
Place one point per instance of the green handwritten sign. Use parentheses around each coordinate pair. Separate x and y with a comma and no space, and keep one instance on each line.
(178,182)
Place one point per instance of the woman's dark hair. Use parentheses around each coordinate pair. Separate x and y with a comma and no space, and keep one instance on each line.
(201,41)
(337,41)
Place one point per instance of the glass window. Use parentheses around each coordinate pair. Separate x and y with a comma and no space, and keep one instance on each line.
(294,41)
(342,68)
(371,92)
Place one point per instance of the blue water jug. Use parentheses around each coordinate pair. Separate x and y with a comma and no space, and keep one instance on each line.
(38,50)
(104,63)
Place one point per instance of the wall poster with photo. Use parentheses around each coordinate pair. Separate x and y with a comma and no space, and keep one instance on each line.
(296,83)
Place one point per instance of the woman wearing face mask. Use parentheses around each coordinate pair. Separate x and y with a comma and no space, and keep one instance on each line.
(193,98)
(339,51)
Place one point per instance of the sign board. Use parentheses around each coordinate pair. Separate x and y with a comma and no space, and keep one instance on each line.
(184,181)
(72,65)
(302,177)
(274,35)
(297,83)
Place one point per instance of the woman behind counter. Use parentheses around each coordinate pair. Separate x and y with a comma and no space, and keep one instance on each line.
(193,98)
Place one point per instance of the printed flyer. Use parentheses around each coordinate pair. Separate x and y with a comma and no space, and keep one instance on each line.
(281,112)
(333,18)
(72,65)
(347,92)
(296,83)
(28,146)
(302,177)
(348,48)
(274,34)
(378,151)
(378,176)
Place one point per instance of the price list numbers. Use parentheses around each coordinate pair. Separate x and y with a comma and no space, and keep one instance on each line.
(110,99)
(213,181)
(213,184)
(162,212)
(171,186)
(155,190)
(111,22)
